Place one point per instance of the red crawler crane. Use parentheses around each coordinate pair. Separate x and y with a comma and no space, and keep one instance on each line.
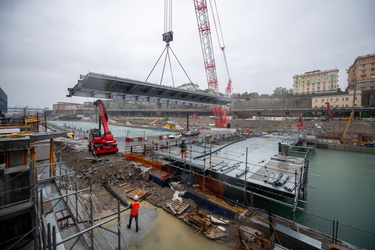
(220,112)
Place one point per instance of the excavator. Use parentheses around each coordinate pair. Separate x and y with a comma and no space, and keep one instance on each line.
(102,143)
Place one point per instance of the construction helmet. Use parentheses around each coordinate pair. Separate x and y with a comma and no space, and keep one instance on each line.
(136,197)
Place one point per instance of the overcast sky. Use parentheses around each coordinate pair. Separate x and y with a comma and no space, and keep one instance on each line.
(45,45)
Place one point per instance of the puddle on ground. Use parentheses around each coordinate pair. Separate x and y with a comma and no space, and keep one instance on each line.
(169,232)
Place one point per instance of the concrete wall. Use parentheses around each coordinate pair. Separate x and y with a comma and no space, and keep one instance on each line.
(344,147)
(273,102)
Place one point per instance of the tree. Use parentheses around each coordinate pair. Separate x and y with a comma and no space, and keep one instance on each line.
(280,91)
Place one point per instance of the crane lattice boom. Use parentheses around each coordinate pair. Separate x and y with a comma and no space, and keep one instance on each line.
(206,43)
(220,112)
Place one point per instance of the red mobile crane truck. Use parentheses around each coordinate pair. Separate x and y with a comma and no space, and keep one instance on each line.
(102,143)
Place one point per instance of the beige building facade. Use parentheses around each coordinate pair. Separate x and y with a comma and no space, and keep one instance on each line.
(337,101)
(316,81)
(363,70)
(189,86)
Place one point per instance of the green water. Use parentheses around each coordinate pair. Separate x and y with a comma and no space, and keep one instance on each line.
(344,188)
(341,187)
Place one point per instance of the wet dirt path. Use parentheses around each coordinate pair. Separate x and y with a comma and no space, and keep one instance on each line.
(169,232)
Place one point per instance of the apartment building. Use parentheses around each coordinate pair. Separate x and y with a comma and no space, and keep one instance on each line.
(343,100)
(189,86)
(316,81)
(363,70)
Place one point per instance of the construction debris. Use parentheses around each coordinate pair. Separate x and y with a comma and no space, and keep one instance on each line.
(176,206)
(137,191)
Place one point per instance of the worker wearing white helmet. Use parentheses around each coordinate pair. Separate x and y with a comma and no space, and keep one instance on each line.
(134,207)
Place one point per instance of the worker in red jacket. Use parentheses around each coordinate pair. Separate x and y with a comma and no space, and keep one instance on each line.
(134,208)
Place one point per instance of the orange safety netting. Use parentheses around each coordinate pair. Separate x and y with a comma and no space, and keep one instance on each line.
(149,162)
(208,183)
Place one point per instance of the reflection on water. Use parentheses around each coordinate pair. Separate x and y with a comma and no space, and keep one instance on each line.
(117,131)
(168,232)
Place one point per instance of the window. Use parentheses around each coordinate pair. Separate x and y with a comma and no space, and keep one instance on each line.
(347,99)
(343,99)
(337,99)
(322,100)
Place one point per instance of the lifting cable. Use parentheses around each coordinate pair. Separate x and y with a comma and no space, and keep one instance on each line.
(168,37)
(220,36)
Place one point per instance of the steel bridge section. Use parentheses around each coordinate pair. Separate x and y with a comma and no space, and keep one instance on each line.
(112,87)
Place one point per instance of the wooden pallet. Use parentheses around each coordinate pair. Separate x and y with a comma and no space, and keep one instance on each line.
(141,193)
(176,206)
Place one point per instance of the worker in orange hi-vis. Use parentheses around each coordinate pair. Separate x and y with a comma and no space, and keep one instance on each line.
(134,206)
(183,149)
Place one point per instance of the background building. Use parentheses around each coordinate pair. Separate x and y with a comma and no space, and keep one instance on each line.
(316,81)
(363,69)
(189,86)
(343,100)
(3,102)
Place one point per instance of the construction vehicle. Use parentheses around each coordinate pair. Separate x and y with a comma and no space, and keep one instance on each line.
(102,143)
(300,126)
(330,114)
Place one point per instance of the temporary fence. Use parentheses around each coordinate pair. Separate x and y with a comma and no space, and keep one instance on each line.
(155,164)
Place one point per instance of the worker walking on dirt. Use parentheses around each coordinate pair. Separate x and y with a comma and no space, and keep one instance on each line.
(183,149)
(134,206)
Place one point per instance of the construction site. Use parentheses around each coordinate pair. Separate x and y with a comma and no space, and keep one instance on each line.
(210,166)
(65,191)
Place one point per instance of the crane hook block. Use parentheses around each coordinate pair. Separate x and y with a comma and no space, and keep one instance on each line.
(168,37)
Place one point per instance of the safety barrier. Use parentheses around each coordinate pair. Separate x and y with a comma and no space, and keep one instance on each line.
(207,183)
(205,203)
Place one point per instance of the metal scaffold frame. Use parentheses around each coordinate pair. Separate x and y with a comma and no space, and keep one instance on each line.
(74,201)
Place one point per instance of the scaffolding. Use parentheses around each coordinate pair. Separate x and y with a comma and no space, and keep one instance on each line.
(41,204)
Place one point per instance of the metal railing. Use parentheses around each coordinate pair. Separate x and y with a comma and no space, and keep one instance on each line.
(339,231)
